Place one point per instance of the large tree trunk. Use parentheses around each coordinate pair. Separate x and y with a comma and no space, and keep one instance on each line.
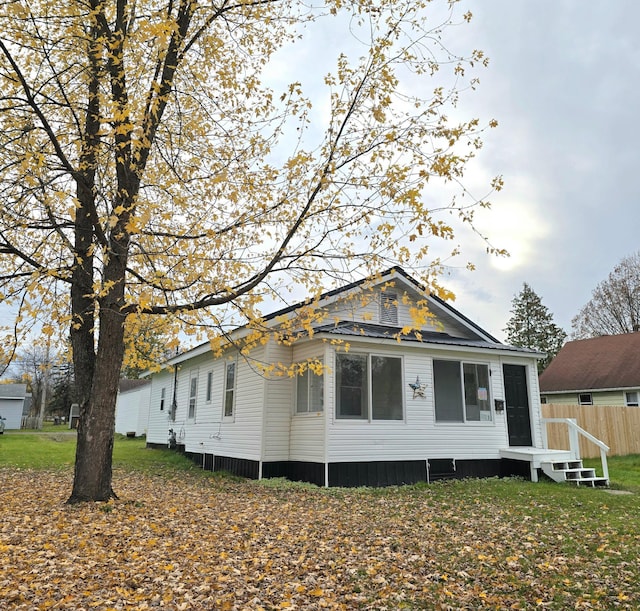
(92,477)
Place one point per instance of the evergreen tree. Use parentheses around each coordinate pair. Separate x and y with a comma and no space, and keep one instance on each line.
(531,326)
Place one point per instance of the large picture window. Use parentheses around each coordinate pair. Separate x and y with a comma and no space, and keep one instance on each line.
(309,392)
(461,391)
(369,387)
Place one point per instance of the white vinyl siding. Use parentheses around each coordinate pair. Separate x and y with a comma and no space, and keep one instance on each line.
(419,436)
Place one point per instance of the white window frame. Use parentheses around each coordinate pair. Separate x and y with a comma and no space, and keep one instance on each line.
(582,398)
(632,402)
(307,378)
(368,417)
(465,421)
(163,396)
(193,395)
(232,391)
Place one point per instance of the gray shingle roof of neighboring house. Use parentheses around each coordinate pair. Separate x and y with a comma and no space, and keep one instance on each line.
(127,384)
(598,363)
(13,391)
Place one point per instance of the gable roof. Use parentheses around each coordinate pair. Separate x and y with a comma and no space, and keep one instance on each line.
(395,272)
(484,339)
(598,363)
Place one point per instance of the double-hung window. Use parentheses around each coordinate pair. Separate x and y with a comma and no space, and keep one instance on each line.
(163,392)
(369,387)
(309,392)
(229,388)
(461,391)
(193,395)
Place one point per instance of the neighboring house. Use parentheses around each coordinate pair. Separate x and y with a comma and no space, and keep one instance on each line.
(12,404)
(597,371)
(132,407)
(447,401)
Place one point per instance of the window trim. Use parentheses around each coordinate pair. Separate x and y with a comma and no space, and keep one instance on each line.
(635,403)
(464,421)
(192,402)
(588,401)
(163,396)
(230,416)
(368,418)
(309,377)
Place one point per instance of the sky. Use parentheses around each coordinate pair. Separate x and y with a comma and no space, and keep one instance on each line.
(564,84)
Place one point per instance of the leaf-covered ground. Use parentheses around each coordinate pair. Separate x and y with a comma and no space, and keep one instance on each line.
(198,542)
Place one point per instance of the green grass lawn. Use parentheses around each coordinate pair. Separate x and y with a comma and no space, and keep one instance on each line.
(56,450)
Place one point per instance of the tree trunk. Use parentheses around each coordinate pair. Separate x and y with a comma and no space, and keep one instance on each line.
(93,473)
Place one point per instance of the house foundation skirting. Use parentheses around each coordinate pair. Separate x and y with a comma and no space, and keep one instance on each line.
(353,474)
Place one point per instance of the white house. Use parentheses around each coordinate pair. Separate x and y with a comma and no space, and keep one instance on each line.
(389,406)
(132,407)
(12,403)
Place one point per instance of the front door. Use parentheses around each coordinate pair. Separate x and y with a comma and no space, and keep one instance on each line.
(517,400)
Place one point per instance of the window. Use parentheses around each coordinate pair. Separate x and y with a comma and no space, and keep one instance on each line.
(631,398)
(193,394)
(309,392)
(389,308)
(163,392)
(229,389)
(584,398)
(461,391)
(209,386)
(369,387)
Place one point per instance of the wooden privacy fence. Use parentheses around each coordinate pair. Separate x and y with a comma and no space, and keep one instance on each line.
(617,425)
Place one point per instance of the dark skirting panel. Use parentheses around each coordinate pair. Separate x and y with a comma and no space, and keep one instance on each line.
(515,468)
(377,473)
(237,466)
(478,468)
(296,471)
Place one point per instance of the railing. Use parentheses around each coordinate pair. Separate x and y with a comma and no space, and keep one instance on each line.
(574,440)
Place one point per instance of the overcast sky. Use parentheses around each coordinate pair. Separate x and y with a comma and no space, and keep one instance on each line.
(564,84)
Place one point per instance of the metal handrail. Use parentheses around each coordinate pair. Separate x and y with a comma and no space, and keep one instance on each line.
(574,441)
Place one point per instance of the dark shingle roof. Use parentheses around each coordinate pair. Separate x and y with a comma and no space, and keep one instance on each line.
(610,361)
(361,329)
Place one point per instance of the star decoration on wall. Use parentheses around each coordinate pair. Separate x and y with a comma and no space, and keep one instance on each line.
(419,390)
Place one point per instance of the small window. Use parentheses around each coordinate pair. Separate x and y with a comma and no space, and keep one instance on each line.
(209,386)
(631,398)
(193,394)
(163,393)
(584,398)
(309,392)
(229,389)
(388,308)
(543,400)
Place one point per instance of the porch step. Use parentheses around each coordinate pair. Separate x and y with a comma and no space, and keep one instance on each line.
(573,472)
